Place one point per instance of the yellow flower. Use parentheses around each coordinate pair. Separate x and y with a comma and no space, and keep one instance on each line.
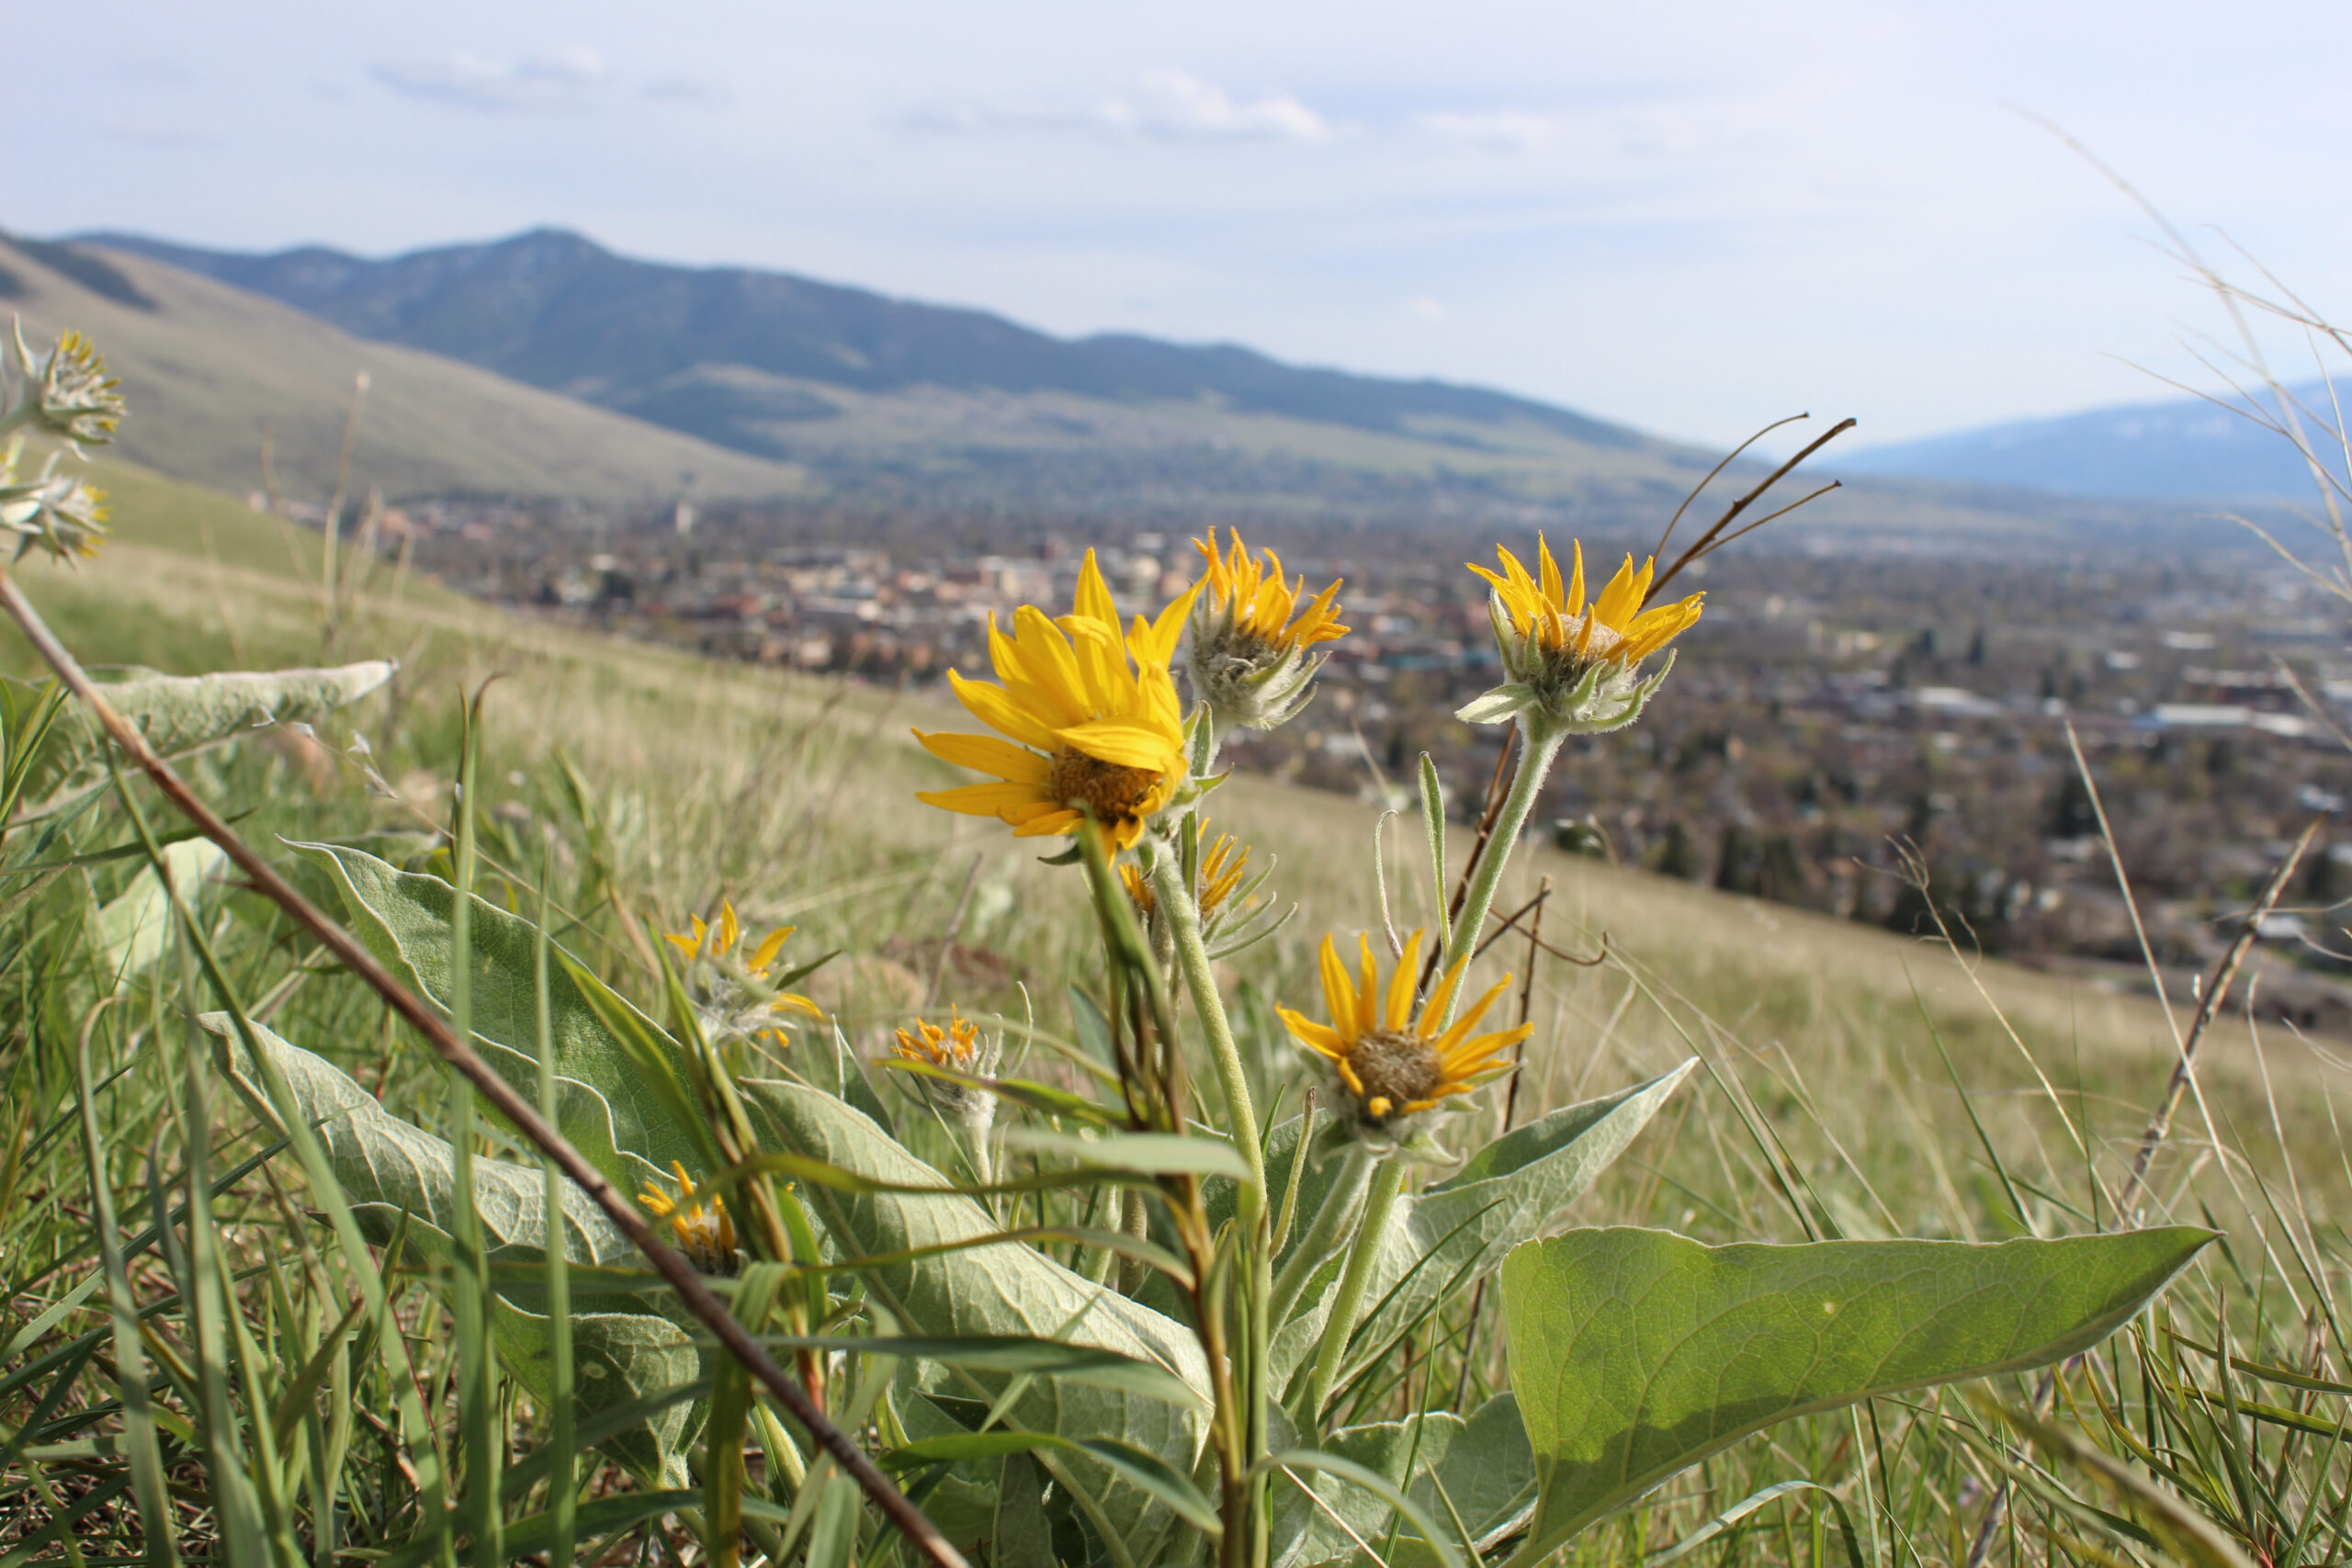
(1251,659)
(1570,663)
(960,1049)
(957,1047)
(1615,627)
(731,1003)
(1260,602)
(1090,719)
(1393,1064)
(1222,865)
(705,1236)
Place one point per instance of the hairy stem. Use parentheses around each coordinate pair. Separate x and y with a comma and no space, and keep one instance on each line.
(1355,1280)
(1330,1224)
(1175,901)
(1539,744)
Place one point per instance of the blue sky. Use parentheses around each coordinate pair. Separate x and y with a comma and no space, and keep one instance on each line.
(1691,217)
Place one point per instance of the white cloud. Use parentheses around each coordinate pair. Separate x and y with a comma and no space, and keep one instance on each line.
(1175,105)
(1425,309)
(1499,130)
(694,92)
(1179,104)
(572,78)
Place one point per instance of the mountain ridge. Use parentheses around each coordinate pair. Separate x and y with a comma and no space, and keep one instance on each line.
(2178,450)
(554,309)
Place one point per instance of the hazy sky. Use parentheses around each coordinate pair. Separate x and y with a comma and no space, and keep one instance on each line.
(1691,217)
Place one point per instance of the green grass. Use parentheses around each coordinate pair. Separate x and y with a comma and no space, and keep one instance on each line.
(1855,1084)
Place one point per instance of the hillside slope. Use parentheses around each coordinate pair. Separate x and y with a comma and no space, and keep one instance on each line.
(209,368)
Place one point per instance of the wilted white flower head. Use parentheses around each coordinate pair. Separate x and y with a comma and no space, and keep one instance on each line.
(68,393)
(54,511)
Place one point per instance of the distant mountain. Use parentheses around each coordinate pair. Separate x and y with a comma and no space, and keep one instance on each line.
(213,372)
(730,354)
(2182,450)
(778,387)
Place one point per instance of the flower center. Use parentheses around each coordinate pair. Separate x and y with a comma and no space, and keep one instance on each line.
(1399,1069)
(1559,633)
(708,1238)
(1116,792)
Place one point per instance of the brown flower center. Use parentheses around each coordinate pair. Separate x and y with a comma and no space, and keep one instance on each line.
(1399,1069)
(1116,792)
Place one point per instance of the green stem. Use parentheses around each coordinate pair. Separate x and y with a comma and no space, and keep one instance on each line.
(1539,744)
(1175,901)
(1330,1224)
(1387,1181)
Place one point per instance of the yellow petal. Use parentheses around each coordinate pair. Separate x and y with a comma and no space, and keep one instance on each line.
(685,944)
(1057,821)
(1469,1019)
(981,800)
(1045,672)
(730,931)
(1368,991)
(1400,984)
(1159,646)
(994,706)
(1315,1037)
(1339,995)
(1553,592)
(1442,997)
(1126,745)
(1573,604)
(770,947)
(1095,595)
(1016,764)
(1620,599)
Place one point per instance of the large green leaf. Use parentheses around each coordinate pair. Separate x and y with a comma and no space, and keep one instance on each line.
(605,1107)
(1636,1353)
(137,923)
(1445,1239)
(1002,1288)
(399,1177)
(1475,1479)
(178,714)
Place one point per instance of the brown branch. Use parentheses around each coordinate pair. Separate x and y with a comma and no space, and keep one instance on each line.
(2216,986)
(673,1267)
(1708,540)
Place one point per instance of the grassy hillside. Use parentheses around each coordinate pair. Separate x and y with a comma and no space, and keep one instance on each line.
(208,368)
(1853,1085)
(197,581)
